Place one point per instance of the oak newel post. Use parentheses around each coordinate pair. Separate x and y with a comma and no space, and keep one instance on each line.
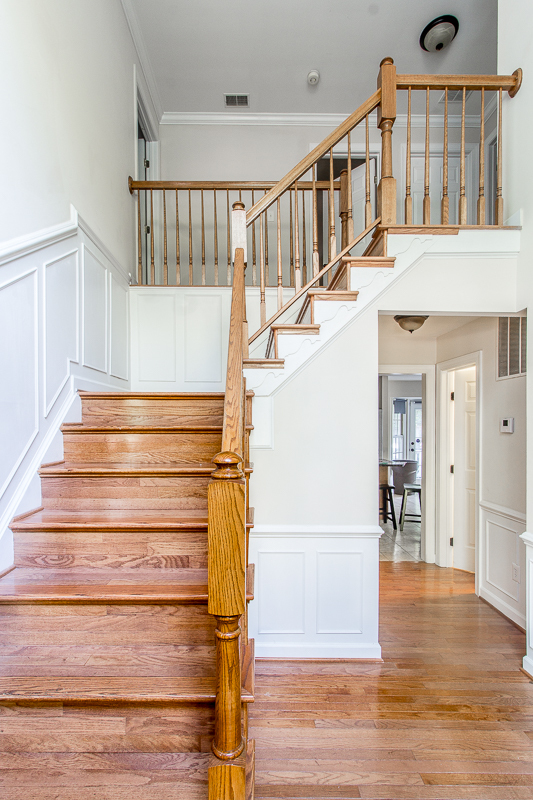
(386,117)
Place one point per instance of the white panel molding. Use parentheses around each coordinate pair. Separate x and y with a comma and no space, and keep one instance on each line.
(373,531)
(512,605)
(49,404)
(84,251)
(527,663)
(101,247)
(24,245)
(114,289)
(32,275)
(303,120)
(503,511)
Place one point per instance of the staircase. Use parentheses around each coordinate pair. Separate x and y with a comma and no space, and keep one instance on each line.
(108,658)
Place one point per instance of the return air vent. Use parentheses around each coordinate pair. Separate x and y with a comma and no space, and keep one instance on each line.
(512,335)
(237,100)
(454,96)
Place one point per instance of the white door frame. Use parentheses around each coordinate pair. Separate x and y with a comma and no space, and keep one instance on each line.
(427,543)
(444,551)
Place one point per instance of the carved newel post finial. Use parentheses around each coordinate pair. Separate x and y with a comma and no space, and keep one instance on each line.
(227,467)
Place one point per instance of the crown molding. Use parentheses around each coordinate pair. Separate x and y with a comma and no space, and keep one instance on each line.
(142,54)
(303,120)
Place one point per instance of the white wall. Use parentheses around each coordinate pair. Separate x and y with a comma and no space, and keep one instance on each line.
(515,49)
(67,97)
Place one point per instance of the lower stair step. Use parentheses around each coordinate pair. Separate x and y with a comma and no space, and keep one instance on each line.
(263,363)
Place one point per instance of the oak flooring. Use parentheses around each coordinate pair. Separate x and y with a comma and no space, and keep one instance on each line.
(446,715)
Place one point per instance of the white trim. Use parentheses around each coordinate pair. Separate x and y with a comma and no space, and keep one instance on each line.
(142,54)
(24,245)
(503,511)
(282,650)
(527,538)
(95,239)
(527,665)
(302,119)
(373,531)
(84,362)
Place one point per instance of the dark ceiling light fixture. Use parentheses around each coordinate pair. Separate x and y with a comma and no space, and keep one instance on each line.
(410,322)
(439,33)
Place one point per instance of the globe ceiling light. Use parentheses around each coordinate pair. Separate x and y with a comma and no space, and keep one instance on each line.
(439,33)
(410,322)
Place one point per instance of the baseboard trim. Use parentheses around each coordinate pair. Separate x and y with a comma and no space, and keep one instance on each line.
(497,610)
(505,610)
(314,652)
(527,666)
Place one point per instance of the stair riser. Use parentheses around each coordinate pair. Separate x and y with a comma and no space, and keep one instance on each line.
(72,491)
(98,625)
(141,448)
(53,741)
(111,551)
(152,411)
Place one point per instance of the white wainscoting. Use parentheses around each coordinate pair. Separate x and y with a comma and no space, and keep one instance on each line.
(63,326)
(527,662)
(502,560)
(316,591)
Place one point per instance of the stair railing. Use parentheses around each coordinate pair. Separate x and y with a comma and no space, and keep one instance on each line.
(227,531)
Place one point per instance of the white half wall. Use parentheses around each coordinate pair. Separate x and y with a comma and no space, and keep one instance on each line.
(63,327)
(315,591)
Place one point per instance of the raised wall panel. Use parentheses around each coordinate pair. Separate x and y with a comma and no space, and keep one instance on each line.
(203,338)
(19,372)
(156,338)
(94,312)
(61,328)
(339,592)
(119,330)
(502,550)
(281,611)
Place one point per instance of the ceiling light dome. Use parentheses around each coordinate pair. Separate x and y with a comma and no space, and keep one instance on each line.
(439,33)
(410,322)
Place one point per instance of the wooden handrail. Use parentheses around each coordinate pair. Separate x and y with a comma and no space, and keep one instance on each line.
(243,186)
(233,409)
(510,83)
(308,285)
(320,150)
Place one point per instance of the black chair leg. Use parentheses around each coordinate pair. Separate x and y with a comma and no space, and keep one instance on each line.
(392,511)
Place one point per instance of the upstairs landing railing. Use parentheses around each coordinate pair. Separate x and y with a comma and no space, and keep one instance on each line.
(445,172)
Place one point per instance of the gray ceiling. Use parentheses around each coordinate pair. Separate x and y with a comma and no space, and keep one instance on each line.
(198,50)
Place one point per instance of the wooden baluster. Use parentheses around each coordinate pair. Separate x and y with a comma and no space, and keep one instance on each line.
(350,201)
(427,199)
(262,306)
(178,271)
(152,262)
(498,215)
(343,208)
(291,246)
(254,260)
(203,237)
(297,271)
(280,265)
(445,203)
(190,242)
(481,198)
(228,225)
(386,117)
(165,262)
(267,274)
(368,202)
(332,249)
(140,242)
(316,258)
(462,195)
(408,198)
(215,234)
(304,242)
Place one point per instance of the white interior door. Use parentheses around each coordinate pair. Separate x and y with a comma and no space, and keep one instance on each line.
(464,475)
(415,435)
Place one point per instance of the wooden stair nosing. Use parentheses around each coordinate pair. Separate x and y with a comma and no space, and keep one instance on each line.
(154,395)
(263,363)
(297,328)
(371,261)
(64,469)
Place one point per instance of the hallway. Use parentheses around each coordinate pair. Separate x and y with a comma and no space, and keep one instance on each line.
(448,714)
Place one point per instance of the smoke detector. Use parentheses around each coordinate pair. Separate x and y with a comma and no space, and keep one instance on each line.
(313,77)
(439,33)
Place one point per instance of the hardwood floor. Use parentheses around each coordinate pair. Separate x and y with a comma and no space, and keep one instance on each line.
(447,714)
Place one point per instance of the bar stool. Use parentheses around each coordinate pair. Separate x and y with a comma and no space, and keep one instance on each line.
(410,488)
(386,488)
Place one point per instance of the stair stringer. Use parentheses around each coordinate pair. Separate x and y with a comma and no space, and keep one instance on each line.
(372,283)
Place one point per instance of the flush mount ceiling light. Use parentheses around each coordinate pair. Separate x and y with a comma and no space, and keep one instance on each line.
(313,77)
(439,33)
(409,323)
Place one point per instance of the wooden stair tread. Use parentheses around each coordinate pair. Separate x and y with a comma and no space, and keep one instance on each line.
(263,363)
(151,395)
(115,469)
(371,261)
(74,427)
(109,519)
(335,294)
(296,328)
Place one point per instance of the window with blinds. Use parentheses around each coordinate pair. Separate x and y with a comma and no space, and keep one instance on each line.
(512,336)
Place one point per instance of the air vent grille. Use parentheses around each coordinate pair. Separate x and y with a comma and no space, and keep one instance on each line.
(512,335)
(455,96)
(237,100)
